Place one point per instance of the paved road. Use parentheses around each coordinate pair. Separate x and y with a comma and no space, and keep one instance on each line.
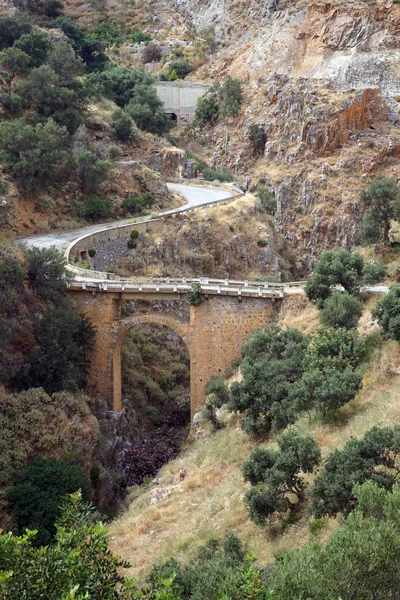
(196,196)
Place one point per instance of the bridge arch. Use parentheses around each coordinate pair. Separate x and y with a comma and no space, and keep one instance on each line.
(125,326)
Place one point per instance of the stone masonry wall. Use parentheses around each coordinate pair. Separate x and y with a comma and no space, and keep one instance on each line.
(214,335)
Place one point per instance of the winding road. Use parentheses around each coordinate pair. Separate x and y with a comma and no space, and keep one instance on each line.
(196,196)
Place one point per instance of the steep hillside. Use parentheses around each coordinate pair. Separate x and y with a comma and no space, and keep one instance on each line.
(235,240)
(172,517)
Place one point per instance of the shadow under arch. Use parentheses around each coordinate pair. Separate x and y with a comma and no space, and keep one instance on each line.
(124,326)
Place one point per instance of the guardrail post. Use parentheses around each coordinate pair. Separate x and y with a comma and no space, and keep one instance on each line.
(140,287)
(218,289)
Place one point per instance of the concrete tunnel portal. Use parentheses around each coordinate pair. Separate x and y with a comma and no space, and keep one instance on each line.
(179,99)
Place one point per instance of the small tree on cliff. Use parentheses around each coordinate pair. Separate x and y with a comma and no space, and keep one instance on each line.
(383,201)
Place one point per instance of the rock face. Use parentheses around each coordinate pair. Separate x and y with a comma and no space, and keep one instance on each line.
(322,81)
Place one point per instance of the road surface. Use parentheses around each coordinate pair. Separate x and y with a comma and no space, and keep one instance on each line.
(196,197)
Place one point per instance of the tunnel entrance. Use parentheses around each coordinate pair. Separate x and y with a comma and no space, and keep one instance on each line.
(174,117)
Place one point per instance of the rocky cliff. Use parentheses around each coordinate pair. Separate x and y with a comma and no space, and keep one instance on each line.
(323,81)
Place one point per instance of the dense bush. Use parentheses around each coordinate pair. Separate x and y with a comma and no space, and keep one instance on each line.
(118,83)
(94,207)
(46,272)
(375,457)
(138,203)
(332,269)
(220,569)
(122,125)
(267,200)
(360,559)
(77,565)
(194,297)
(341,310)
(374,272)
(181,66)
(206,109)
(37,491)
(387,313)
(36,154)
(382,198)
(230,97)
(12,28)
(33,423)
(276,477)
(146,109)
(59,360)
(272,363)
(258,138)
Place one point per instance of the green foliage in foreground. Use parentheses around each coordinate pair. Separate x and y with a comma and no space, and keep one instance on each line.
(37,492)
(77,566)
(277,476)
(360,560)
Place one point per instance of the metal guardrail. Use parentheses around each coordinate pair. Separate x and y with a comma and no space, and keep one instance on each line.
(211,287)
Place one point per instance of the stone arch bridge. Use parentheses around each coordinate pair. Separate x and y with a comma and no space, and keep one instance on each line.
(213,332)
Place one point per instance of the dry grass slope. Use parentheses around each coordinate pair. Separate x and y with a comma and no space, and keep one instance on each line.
(210,499)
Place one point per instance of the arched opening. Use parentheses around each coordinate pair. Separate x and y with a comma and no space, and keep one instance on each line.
(152,370)
(155,370)
(174,117)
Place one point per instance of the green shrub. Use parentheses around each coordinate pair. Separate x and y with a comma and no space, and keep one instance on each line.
(387,313)
(194,297)
(334,268)
(134,234)
(36,154)
(230,97)
(272,363)
(371,458)
(12,28)
(374,273)
(122,125)
(276,476)
(382,199)
(137,203)
(181,67)
(341,310)
(258,139)
(92,252)
(34,423)
(94,207)
(206,109)
(267,200)
(53,8)
(115,152)
(132,244)
(37,491)
(78,565)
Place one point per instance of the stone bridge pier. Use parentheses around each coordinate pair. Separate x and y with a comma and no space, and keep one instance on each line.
(213,332)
